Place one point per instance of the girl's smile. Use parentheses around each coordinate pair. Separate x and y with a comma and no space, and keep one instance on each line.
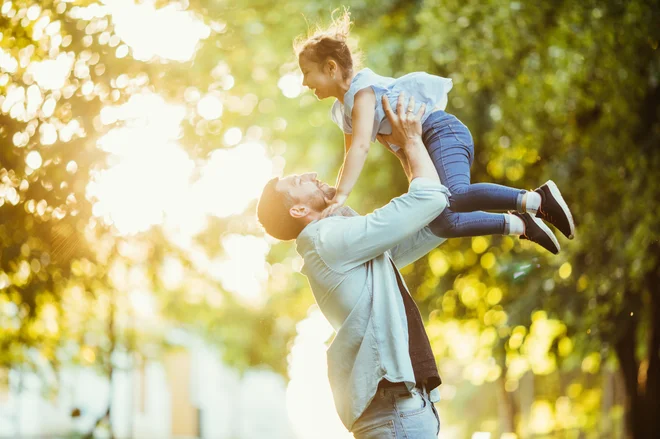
(324,79)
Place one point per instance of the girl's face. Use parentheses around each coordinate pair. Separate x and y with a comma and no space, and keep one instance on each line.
(318,77)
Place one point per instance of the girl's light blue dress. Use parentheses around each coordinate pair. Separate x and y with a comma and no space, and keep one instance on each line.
(450,147)
(428,89)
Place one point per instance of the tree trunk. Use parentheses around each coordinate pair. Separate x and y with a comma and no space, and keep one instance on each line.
(109,371)
(527,394)
(606,425)
(506,407)
(506,404)
(625,352)
(113,346)
(642,383)
(652,388)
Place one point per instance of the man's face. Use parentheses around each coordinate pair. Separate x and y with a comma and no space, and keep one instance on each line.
(306,190)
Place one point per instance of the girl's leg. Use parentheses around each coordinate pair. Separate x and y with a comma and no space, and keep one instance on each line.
(451,148)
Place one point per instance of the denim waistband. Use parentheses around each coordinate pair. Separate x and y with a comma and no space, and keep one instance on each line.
(438,117)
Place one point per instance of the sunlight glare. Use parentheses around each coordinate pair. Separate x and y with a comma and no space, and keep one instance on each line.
(47,133)
(232,178)
(34,100)
(243,270)
(147,110)
(144,303)
(159,40)
(172,273)
(134,194)
(52,74)
(309,400)
(7,62)
(150,172)
(149,178)
(14,95)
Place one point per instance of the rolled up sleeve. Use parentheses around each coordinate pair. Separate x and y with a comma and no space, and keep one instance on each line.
(347,242)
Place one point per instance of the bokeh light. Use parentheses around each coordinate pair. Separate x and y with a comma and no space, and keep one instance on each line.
(291,85)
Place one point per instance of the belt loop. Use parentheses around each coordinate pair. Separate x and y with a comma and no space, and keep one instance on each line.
(425,390)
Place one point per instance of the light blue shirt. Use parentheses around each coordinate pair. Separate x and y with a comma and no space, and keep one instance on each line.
(427,89)
(347,263)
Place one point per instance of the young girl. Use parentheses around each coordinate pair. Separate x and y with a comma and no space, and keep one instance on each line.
(328,70)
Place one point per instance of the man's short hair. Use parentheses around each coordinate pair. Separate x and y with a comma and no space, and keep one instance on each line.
(273,213)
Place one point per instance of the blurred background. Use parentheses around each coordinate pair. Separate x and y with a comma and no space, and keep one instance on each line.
(139,298)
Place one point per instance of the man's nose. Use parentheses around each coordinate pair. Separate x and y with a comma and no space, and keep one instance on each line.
(311,175)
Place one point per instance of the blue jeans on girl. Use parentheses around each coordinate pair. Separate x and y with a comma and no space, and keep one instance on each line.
(450,145)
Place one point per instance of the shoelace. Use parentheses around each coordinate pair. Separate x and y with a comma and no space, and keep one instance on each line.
(545,215)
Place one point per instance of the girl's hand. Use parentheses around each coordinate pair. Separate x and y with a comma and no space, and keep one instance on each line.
(333,205)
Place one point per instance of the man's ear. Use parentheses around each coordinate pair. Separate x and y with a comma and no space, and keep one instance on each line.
(299,211)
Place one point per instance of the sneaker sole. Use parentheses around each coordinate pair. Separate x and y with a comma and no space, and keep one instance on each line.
(539,222)
(554,190)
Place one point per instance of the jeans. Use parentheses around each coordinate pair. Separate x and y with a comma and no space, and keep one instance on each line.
(396,413)
(450,145)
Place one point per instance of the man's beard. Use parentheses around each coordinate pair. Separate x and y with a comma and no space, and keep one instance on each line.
(329,192)
(326,192)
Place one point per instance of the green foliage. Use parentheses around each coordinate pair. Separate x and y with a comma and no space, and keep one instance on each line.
(560,90)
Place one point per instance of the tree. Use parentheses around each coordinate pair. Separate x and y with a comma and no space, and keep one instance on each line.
(553,90)
(568,92)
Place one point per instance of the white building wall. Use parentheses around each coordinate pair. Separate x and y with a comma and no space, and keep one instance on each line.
(253,406)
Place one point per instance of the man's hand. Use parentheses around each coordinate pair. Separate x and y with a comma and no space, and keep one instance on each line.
(407,133)
(406,126)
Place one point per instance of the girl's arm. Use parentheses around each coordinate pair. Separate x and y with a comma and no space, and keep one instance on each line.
(364,109)
(348,138)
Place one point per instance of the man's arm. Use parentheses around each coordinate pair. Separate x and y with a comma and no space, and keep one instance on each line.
(409,249)
(399,155)
(407,131)
(349,242)
(345,243)
(420,243)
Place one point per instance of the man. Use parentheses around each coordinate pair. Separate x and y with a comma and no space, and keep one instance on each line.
(381,368)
